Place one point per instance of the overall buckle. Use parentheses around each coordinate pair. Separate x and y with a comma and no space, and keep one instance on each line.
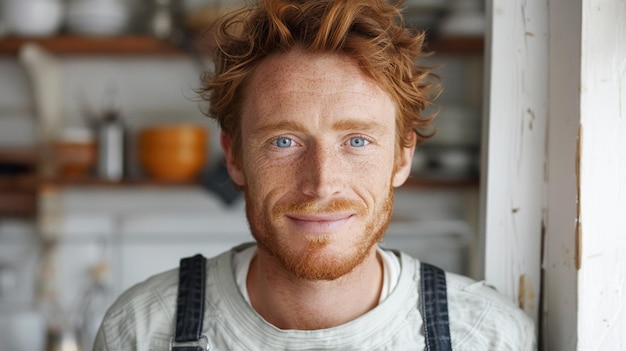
(200,344)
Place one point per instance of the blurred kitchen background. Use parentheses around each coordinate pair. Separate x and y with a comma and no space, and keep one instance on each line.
(91,94)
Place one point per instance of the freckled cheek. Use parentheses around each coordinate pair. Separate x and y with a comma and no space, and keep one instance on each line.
(374,168)
(375,178)
(370,179)
(264,176)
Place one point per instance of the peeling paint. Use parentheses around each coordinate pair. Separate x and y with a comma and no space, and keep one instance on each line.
(542,283)
(532,118)
(526,294)
(521,293)
(598,255)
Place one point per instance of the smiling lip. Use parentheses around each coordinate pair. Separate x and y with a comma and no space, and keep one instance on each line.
(322,223)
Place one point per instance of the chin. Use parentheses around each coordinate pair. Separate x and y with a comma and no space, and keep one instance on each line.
(321,260)
(322,267)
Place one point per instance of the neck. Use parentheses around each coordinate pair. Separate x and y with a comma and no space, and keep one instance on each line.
(291,303)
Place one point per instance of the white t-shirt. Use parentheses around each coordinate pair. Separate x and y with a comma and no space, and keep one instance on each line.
(143,317)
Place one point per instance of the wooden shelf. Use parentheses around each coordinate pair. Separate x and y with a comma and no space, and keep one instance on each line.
(102,183)
(18,183)
(25,182)
(411,183)
(458,45)
(146,45)
(81,45)
(18,155)
(439,184)
(18,204)
(30,180)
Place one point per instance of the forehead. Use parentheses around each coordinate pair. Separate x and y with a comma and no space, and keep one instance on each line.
(287,70)
(294,79)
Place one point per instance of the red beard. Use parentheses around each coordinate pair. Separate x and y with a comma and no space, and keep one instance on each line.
(313,263)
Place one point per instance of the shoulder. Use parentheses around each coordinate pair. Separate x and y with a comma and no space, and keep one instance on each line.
(482,318)
(138,313)
(160,289)
(143,313)
(151,290)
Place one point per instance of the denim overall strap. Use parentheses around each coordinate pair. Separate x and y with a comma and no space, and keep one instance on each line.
(190,305)
(435,308)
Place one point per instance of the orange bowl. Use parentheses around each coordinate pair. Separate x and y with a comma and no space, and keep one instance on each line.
(173,153)
(172,134)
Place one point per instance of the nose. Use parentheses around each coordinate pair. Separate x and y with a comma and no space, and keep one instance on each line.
(322,171)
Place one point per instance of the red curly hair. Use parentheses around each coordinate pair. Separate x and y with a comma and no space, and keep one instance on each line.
(371,32)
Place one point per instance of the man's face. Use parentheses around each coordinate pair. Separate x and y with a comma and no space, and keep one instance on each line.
(317,163)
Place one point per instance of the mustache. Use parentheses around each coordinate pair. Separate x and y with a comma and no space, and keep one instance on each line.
(308,207)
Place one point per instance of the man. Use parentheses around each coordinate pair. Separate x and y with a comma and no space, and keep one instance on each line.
(320,107)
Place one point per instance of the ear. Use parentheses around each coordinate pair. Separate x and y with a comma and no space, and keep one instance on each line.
(403,167)
(234,169)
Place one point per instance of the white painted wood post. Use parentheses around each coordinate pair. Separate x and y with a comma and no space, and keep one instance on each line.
(513,182)
(602,179)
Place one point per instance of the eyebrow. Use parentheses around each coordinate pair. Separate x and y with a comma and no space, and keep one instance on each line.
(343,125)
(284,125)
(354,124)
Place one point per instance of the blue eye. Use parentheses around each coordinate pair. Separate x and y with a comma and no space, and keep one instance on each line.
(358,142)
(283,142)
